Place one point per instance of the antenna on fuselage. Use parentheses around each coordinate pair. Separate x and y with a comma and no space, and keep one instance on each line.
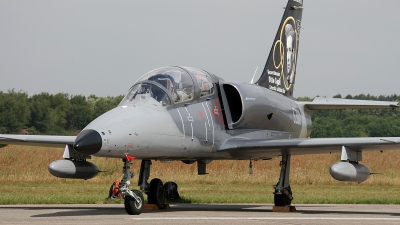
(253,76)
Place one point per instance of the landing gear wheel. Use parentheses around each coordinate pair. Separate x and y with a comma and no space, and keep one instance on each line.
(133,207)
(156,194)
(281,200)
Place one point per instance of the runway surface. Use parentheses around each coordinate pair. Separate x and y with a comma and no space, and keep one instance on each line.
(200,214)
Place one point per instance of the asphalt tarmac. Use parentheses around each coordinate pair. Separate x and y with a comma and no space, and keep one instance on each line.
(200,214)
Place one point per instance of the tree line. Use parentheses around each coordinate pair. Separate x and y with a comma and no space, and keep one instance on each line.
(45,113)
(65,114)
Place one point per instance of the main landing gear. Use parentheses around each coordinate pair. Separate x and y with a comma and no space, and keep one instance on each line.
(283,193)
(155,190)
(133,199)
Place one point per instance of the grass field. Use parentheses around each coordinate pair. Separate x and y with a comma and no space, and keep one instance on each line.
(24,179)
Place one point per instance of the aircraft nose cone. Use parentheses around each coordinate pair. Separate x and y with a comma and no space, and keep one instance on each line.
(88,142)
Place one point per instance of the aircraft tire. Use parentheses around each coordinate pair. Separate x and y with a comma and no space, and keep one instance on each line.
(281,200)
(131,206)
(156,194)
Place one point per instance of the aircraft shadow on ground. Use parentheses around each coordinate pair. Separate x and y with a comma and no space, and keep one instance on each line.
(69,211)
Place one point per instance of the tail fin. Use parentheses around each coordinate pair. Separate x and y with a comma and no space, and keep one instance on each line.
(280,69)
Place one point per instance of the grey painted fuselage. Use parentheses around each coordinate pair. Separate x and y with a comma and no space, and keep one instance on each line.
(196,129)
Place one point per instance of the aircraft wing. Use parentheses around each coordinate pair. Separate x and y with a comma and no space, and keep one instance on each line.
(337,103)
(37,140)
(302,146)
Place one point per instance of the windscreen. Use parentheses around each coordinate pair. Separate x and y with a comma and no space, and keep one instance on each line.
(148,94)
(177,81)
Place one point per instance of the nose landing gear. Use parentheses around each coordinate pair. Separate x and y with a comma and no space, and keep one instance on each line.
(133,199)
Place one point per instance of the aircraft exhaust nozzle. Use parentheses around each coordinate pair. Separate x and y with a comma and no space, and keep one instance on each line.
(73,169)
(88,142)
(346,171)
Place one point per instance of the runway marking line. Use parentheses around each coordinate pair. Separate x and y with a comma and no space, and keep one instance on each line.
(261,218)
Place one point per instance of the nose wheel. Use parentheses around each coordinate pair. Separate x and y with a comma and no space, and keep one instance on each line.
(134,206)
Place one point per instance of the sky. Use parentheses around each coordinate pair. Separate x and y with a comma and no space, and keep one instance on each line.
(84,47)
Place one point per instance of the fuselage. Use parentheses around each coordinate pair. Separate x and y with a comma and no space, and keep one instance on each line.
(166,117)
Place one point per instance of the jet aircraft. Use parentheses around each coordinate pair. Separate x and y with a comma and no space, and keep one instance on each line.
(191,115)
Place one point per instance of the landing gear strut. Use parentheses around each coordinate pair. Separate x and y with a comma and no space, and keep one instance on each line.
(133,200)
(155,190)
(283,193)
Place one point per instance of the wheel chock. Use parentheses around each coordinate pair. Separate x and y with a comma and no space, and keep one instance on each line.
(150,207)
(284,209)
(155,207)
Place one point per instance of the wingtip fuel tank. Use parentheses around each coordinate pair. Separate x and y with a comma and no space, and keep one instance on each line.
(346,171)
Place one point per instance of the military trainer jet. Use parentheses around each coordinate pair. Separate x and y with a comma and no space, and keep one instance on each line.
(191,115)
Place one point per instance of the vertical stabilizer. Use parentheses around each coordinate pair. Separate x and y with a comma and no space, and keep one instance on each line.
(280,69)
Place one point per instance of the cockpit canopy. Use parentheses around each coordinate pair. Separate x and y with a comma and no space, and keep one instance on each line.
(171,85)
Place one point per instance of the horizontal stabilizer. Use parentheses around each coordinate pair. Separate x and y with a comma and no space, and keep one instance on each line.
(337,103)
